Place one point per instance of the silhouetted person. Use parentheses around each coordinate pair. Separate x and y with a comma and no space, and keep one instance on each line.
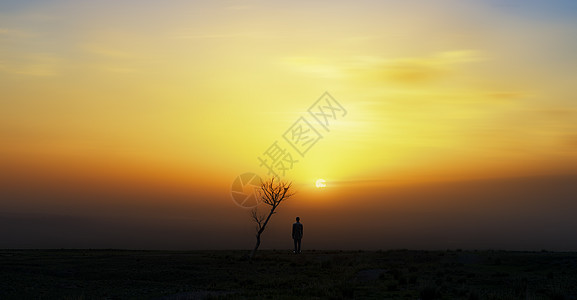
(297,235)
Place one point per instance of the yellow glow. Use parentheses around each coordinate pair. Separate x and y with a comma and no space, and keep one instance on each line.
(195,98)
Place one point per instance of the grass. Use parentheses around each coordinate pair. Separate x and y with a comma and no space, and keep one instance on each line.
(395,274)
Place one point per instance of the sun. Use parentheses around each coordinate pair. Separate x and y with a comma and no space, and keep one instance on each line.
(320,183)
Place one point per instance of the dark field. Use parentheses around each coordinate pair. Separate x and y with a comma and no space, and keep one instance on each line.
(396,274)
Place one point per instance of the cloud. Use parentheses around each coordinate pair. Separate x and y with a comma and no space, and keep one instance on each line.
(570,142)
(412,70)
(39,64)
(424,69)
(507,95)
(6,32)
(190,34)
(116,56)
(409,70)
(115,69)
(314,66)
(105,51)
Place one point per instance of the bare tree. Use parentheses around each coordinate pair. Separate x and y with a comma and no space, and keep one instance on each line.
(272,193)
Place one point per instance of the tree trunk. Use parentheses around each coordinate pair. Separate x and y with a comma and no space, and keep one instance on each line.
(253,252)
(255,247)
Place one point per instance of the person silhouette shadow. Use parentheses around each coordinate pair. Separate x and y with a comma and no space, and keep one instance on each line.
(297,235)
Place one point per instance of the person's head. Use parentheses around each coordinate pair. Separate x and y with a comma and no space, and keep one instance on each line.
(298,219)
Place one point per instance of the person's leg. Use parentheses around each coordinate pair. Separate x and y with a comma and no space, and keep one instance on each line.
(299,245)
(295,241)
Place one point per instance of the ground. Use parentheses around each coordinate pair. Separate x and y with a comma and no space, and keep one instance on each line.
(276,274)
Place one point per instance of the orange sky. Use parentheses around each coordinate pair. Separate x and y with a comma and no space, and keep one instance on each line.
(148,112)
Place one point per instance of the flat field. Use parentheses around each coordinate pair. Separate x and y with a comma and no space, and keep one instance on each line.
(279,274)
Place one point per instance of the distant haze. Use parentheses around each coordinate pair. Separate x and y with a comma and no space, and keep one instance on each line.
(531,213)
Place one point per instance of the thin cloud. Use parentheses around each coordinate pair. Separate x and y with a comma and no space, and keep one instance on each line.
(570,142)
(193,34)
(14,33)
(415,70)
(105,51)
(313,65)
(39,64)
(411,70)
(508,95)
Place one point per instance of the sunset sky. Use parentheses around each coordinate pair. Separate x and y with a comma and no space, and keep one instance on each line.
(123,124)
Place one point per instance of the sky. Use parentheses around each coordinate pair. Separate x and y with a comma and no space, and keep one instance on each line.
(435,125)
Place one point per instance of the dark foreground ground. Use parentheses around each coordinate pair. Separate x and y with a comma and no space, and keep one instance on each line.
(398,274)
